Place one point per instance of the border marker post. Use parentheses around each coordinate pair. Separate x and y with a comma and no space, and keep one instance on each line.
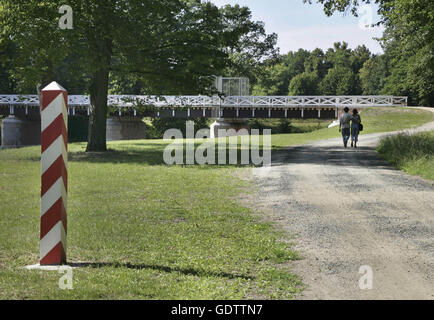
(54,177)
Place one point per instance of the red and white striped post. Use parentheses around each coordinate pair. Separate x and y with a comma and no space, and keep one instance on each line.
(54,179)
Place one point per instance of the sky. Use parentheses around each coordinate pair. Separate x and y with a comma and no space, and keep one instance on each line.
(303,25)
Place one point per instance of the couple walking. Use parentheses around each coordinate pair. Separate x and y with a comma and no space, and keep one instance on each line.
(345,126)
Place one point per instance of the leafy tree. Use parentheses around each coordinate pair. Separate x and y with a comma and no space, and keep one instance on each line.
(7,84)
(277,74)
(252,45)
(339,55)
(305,83)
(408,41)
(339,80)
(373,75)
(271,80)
(358,57)
(317,62)
(166,46)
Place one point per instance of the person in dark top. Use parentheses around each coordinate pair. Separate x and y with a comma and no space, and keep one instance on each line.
(355,124)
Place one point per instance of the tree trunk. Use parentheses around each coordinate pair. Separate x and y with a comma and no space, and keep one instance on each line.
(98,111)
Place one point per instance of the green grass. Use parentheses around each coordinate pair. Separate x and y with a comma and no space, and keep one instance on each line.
(373,119)
(289,125)
(152,231)
(413,153)
(148,230)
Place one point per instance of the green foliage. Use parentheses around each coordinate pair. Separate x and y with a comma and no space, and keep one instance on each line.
(304,84)
(413,153)
(314,73)
(151,47)
(408,45)
(317,62)
(160,125)
(373,75)
(275,76)
(339,81)
(7,83)
(78,127)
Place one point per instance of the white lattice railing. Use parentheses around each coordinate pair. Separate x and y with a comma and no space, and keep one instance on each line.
(232,101)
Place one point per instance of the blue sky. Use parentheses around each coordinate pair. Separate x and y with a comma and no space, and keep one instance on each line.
(300,25)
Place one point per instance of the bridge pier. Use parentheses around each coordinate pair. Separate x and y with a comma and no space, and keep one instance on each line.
(226,124)
(125,128)
(18,132)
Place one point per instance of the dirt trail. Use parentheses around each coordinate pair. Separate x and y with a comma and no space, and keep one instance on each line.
(347,208)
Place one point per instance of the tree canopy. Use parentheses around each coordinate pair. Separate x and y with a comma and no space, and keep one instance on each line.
(408,43)
(152,46)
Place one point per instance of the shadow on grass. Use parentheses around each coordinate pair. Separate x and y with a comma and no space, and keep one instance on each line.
(185,271)
(153,154)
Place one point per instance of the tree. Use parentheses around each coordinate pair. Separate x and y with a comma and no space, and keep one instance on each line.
(339,55)
(358,57)
(408,42)
(276,75)
(305,83)
(317,62)
(7,84)
(339,80)
(373,75)
(166,46)
(253,45)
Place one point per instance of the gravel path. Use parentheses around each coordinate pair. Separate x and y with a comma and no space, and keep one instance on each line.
(347,208)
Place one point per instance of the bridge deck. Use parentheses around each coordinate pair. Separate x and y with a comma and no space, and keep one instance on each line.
(205,106)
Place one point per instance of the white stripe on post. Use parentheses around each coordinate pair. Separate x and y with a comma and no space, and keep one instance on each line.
(54,184)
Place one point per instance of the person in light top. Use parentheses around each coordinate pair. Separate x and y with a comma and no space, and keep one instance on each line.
(344,125)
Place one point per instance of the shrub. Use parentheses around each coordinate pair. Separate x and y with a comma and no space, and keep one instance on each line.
(413,153)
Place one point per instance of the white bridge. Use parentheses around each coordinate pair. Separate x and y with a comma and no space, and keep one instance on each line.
(22,127)
(230,101)
(214,106)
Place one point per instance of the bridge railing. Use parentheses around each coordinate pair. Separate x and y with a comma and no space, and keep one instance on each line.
(318,101)
(206,101)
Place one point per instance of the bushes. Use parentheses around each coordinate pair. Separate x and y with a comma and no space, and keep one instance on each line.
(413,153)
(157,126)
(278,126)
(78,127)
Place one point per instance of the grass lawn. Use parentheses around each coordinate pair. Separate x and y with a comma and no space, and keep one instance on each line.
(148,230)
(373,119)
(413,153)
(152,231)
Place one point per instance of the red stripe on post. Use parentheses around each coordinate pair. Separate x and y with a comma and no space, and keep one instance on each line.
(53,131)
(53,173)
(54,256)
(52,216)
(49,96)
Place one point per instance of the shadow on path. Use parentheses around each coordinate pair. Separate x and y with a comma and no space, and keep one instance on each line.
(330,155)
